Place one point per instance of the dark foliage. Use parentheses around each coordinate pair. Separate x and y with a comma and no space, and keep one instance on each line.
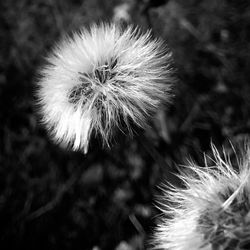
(54,199)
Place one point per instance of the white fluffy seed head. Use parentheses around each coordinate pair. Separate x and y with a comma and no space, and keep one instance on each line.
(101,78)
(212,211)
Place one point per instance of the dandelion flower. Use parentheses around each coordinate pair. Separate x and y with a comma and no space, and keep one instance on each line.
(100,79)
(212,212)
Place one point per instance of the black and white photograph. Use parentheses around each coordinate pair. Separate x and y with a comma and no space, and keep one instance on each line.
(124,125)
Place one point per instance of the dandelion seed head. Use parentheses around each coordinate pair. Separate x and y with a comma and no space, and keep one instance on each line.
(100,77)
(211,212)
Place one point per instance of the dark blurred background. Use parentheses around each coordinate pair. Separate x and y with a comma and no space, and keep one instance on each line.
(51,198)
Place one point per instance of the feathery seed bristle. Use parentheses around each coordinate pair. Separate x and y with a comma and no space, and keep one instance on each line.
(212,212)
(101,78)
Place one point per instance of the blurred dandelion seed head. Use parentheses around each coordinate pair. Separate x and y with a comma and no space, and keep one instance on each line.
(211,212)
(102,77)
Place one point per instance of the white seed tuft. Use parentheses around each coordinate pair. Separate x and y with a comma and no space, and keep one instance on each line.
(101,79)
(212,211)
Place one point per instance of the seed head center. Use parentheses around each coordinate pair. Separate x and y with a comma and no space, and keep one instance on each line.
(84,90)
(105,72)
